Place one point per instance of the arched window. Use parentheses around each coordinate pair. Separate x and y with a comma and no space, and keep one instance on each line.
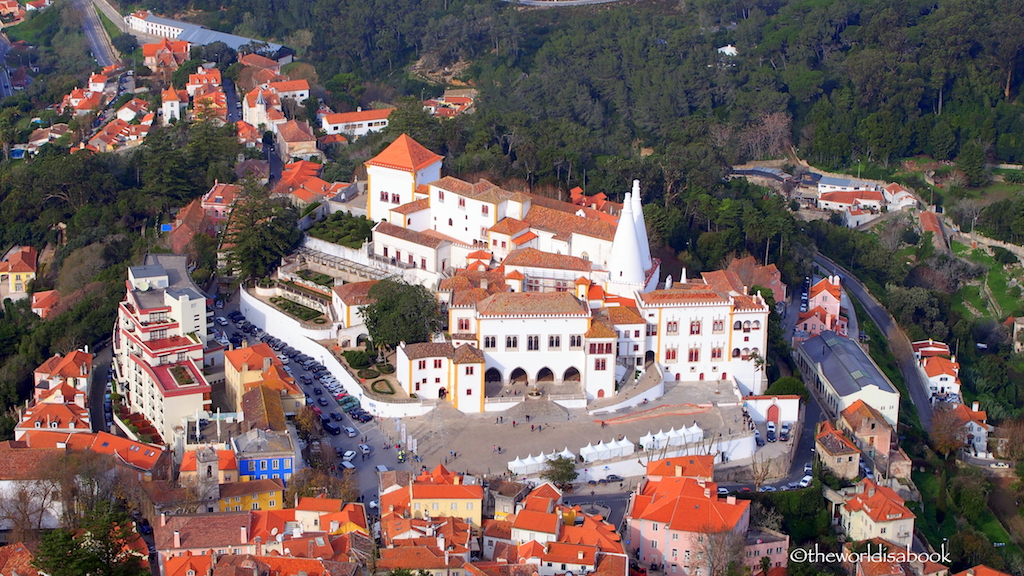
(449,221)
(209,471)
(756,325)
(738,325)
(735,352)
(585,256)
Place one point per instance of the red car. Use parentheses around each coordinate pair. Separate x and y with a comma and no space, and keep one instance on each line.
(317,410)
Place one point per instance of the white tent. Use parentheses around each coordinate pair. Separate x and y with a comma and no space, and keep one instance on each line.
(676,437)
(536,463)
(604,450)
(517,466)
(587,452)
(565,453)
(694,433)
(625,447)
(647,441)
(660,439)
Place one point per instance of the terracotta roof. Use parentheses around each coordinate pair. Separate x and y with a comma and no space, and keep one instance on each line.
(413,236)
(599,329)
(415,558)
(858,413)
(203,531)
(296,131)
(253,355)
(930,348)
(262,408)
(428,350)
(468,354)
(683,467)
(930,223)
(880,503)
(412,207)
(619,315)
(225,461)
(198,565)
(23,463)
(533,258)
(356,293)
(531,304)
(685,505)
(564,224)
(422,491)
(233,489)
(65,416)
(824,285)
(405,154)
(937,365)
(359,116)
(570,553)
(524,238)
(290,85)
(964,414)
(834,441)
(257,61)
(851,196)
(21,260)
(75,365)
(320,504)
(509,226)
(515,275)
(682,293)
(17,559)
(545,522)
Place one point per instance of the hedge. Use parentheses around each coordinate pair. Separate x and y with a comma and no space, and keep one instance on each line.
(368,373)
(379,384)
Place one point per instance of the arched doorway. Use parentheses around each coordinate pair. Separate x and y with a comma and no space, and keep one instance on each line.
(701,376)
(442,393)
(571,375)
(773,413)
(545,376)
(649,357)
(600,393)
(519,376)
(492,375)
(346,343)
(677,376)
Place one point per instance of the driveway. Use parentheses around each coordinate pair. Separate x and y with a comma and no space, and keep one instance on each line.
(898,341)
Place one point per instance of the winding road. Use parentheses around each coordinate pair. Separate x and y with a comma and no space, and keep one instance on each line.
(898,341)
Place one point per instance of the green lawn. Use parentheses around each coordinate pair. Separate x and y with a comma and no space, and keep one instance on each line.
(959,248)
(972,295)
(33,30)
(998,279)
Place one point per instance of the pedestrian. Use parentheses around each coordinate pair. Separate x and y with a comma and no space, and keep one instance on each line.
(445,459)
(496,420)
(455,454)
(513,423)
(540,427)
(494,447)
(452,453)
(527,417)
(531,427)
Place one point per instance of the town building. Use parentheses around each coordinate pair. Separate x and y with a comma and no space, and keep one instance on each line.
(841,372)
(166,53)
(173,104)
(251,366)
(869,511)
(266,494)
(148,23)
(43,303)
(73,369)
(836,452)
(943,377)
(159,339)
(976,429)
(265,454)
(356,124)
(18,268)
(438,492)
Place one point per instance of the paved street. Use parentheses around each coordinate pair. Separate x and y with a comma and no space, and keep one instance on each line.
(99,44)
(898,341)
(98,387)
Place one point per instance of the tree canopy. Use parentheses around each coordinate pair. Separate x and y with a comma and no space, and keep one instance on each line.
(401,312)
(259,232)
(102,548)
(560,471)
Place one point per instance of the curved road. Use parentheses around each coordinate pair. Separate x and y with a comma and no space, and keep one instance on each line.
(898,341)
(559,3)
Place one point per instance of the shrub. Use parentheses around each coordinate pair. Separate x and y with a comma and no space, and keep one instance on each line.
(357,358)
(382,386)
(319,321)
(1003,256)
(368,373)
(385,368)
(1014,177)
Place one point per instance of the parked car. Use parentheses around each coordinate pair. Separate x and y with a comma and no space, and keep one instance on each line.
(364,418)
(723,491)
(767,489)
(222,321)
(332,428)
(321,401)
(318,391)
(365,448)
(771,435)
(614,478)
(348,456)
(351,432)
(335,416)
(808,468)
(999,465)
(806,481)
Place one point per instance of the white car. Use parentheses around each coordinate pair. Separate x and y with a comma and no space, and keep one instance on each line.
(222,321)
(767,489)
(349,456)
(806,481)
(999,465)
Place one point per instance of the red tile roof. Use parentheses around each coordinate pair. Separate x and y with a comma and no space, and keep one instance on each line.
(930,348)
(290,86)
(685,505)
(930,223)
(356,293)
(696,467)
(389,229)
(564,224)
(17,559)
(533,258)
(21,260)
(402,154)
(824,285)
(534,521)
(880,503)
(359,116)
(981,570)
(225,461)
(531,304)
(851,196)
(937,365)
(834,441)
(187,564)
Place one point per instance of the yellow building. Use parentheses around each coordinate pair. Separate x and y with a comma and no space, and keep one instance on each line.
(248,367)
(19,268)
(437,493)
(266,494)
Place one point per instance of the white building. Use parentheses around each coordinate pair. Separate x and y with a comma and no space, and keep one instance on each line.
(173,104)
(394,175)
(161,331)
(871,511)
(297,90)
(840,370)
(356,124)
(943,377)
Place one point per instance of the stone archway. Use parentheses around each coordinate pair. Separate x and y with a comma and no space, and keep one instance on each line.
(492,382)
(545,376)
(649,358)
(571,375)
(519,376)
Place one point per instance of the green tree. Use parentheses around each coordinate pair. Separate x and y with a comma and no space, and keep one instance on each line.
(401,312)
(101,548)
(560,471)
(972,163)
(259,232)
(125,43)
(942,141)
(786,386)
(180,76)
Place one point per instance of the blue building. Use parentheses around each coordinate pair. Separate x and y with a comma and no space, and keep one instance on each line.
(264,454)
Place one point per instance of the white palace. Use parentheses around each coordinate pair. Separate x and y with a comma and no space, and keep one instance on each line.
(544,291)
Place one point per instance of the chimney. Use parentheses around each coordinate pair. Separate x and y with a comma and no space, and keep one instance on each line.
(259,545)
(177,539)
(679,470)
(266,364)
(243,534)
(975,407)
(579,554)
(707,492)
(163,518)
(731,500)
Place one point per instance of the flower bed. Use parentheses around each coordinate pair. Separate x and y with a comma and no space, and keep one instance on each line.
(385,368)
(368,373)
(382,386)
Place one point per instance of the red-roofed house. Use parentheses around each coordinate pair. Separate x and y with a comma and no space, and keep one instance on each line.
(981,570)
(976,428)
(173,104)
(694,466)
(203,77)
(845,199)
(297,90)
(356,124)
(943,377)
(73,369)
(219,200)
(837,452)
(17,559)
(295,139)
(188,565)
(395,174)
(668,520)
(189,221)
(251,366)
(226,471)
(872,511)
(928,348)
(166,53)
(18,268)
(131,109)
(44,302)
